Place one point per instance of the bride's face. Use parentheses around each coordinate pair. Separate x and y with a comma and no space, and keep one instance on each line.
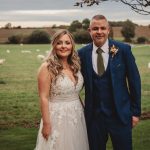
(63,46)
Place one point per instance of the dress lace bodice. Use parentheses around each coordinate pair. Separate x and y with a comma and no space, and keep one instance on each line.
(64,89)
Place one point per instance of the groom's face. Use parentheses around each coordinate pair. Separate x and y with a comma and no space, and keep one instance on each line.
(99,31)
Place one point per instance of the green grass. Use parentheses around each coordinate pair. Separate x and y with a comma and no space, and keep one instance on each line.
(18,138)
(19,102)
(142,55)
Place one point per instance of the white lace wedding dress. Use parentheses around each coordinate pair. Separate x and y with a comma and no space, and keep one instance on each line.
(67,118)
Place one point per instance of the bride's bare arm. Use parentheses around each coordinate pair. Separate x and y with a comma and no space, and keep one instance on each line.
(44,81)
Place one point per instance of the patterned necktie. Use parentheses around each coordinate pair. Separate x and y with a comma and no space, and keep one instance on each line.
(100,63)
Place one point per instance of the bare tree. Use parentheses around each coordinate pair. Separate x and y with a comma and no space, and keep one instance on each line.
(139,6)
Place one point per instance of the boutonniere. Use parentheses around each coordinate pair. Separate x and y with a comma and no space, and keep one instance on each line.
(114,50)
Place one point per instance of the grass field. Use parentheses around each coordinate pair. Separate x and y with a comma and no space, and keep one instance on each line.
(19,103)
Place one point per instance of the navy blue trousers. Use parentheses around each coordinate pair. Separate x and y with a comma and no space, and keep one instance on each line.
(103,126)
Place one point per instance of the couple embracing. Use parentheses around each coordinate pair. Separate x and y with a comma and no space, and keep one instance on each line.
(112,93)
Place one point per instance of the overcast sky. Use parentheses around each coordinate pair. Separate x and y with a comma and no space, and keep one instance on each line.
(35,13)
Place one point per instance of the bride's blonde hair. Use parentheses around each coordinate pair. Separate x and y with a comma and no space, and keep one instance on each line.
(54,64)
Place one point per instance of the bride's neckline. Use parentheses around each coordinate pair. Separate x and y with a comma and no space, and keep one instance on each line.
(73,81)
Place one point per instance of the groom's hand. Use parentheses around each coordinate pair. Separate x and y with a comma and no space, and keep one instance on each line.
(135,121)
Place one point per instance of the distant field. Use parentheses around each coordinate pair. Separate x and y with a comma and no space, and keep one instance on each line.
(19,102)
(5,33)
(139,31)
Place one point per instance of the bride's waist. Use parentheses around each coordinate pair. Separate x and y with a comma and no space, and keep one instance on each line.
(64,98)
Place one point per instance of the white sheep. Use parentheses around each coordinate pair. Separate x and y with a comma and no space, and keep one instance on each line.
(47,52)
(149,65)
(41,57)
(2,61)
(7,51)
(37,50)
(25,51)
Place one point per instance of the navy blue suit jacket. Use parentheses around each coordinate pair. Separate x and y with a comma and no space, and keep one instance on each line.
(125,78)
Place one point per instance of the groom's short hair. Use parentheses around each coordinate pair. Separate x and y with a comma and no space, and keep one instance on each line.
(99,17)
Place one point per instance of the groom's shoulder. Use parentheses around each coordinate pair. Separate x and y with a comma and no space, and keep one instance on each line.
(85,48)
(120,44)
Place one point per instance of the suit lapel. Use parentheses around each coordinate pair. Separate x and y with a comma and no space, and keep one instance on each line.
(113,59)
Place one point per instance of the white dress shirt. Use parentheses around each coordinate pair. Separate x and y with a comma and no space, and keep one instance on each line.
(105,55)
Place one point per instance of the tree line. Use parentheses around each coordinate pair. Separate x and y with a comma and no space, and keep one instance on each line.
(80,33)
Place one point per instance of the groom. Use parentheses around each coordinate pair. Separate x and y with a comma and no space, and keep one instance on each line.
(112,88)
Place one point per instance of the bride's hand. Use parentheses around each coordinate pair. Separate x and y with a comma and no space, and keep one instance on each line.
(46,130)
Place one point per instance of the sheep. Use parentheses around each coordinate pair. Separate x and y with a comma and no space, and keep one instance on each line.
(149,65)
(25,51)
(37,50)
(7,51)
(2,61)
(47,52)
(41,57)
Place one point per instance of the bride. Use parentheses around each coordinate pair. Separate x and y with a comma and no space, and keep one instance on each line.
(62,125)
